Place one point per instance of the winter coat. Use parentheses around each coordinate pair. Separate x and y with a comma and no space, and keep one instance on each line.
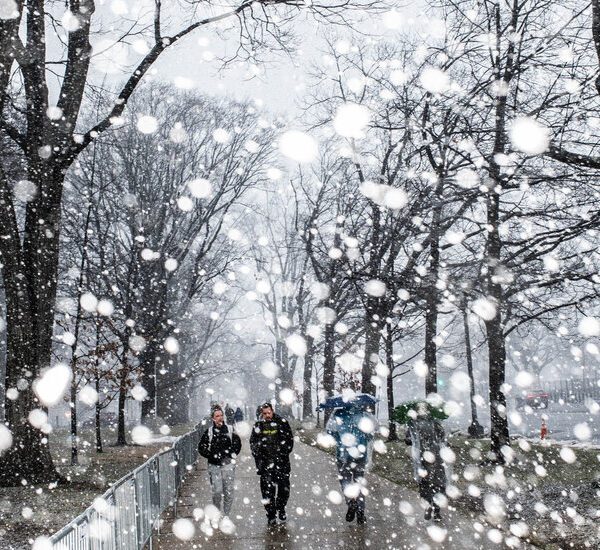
(229,415)
(271,443)
(219,445)
(427,438)
(239,415)
(353,443)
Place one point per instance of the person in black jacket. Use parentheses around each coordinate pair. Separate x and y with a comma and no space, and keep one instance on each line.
(271,443)
(220,445)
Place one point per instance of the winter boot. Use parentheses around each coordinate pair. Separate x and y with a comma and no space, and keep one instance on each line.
(351,511)
(360,517)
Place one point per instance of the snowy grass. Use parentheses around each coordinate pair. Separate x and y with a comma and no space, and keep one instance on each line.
(27,512)
(558,500)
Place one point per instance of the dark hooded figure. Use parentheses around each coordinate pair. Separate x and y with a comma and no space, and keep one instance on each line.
(238,416)
(427,438)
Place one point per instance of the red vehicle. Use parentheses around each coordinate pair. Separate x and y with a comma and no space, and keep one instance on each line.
(536,399)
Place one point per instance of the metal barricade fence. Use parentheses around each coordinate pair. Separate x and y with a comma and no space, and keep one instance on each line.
(124,517)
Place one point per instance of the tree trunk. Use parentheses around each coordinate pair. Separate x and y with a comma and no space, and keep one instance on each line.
(307,405)
(372,340)
(431,311)
(495,327)
(98,408)
(389,360)
(2,356)
(475,429)
(329,360)
(173,393)
(124,373)
(373,321)
(73,410)
(150,360)
(287,378)
(497,360)
(495,334)
(30,277)
(29,457)
(431,315)
(80,282)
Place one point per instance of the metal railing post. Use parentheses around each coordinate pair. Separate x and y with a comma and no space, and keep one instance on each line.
(138,499)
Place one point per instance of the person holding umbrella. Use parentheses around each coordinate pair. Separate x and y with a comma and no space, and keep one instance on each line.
(352,426)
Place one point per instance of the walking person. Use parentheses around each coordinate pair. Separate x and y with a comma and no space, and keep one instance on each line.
(271,443)
(352,428)
(426,435)
(220,445)
(229,415)
(238,416)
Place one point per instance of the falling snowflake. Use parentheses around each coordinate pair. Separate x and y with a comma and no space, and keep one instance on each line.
(296,344)
(298,146)
(141,435)
(589,327)
(183,529)
(351,120)
(200,188)
(375,288)
(434,80)
(147,124)
(484,308)
(171,345)
(6,438)
(53,383)
(529,136)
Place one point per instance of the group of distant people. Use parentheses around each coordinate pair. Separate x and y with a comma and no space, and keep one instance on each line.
(232,416)
(272,441)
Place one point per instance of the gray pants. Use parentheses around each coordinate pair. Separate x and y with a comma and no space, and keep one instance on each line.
(221,481)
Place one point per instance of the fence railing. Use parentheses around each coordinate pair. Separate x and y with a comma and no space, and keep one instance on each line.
(576,390)
(126,515)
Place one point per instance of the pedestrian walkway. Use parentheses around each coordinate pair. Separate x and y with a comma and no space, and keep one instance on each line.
(314,521)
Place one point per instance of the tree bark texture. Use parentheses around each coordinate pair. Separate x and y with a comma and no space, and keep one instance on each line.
(307,404)
(389,360)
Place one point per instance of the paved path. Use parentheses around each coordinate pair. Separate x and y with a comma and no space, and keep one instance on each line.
(314,522)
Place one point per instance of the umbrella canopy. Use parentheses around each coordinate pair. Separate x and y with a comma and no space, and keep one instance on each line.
(405,411)
(360,400)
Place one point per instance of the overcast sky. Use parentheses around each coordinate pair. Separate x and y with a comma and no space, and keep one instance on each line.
(194,63)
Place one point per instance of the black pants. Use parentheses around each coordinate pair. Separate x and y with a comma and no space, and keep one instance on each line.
(352,471)
(275,489)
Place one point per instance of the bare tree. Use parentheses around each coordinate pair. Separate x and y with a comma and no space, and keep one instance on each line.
(50,140)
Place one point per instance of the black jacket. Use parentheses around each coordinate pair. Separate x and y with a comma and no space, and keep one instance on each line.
(219,445)
(271,444)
